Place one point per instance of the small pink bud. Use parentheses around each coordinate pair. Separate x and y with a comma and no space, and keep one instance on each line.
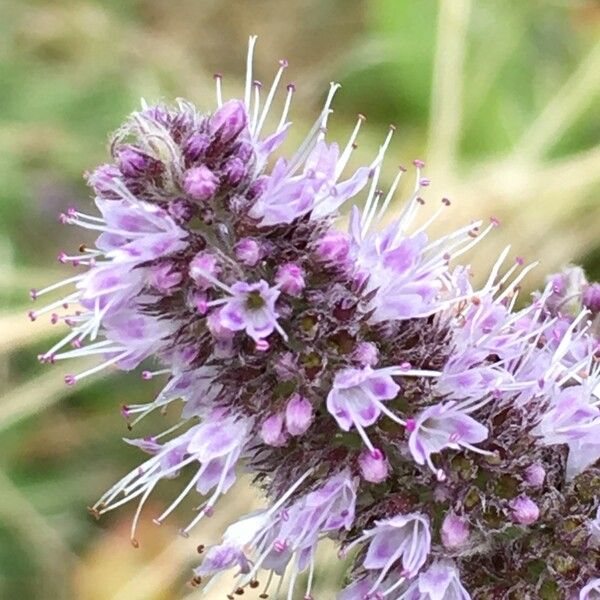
(200,183)
(216,328)
(524,510)
(455,531)
(366,354)
(373,465)
(298,415)
(272,431)
(203,266)
(535,475)
(334,246)
(248,251)
(290,279)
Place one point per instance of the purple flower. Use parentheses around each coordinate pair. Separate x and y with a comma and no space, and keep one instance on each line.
(591,591)
(206,245)
(455,531)
(573,419)
(357,397)
(402,541)
(200,183)
(570,417)
(396,268)
(524,510)
(444,425)
(251,308)
(374,466)
(298,415)
(285,536)
(440,581)
(287,197)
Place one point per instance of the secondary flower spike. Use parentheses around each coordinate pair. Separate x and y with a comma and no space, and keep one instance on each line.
(446,437)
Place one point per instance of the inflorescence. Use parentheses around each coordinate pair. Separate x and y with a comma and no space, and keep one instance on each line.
(446,438)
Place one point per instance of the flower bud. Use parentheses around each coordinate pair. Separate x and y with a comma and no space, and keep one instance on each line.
(455,531)
(203,264)
(247,251)
(131,161)
(366,354)
(290,279)
(272,431)
(200,183)
(181,209)
(524,510)
(196,146)
(591,297)
(244,152)
(229,120)
(334,246)
(535,475)
(216,327)
(234,171)
(298,415)
(373,465)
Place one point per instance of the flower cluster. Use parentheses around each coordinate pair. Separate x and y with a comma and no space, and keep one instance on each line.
(446,437)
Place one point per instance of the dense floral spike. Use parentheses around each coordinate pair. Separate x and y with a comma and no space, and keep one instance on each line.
(446,437)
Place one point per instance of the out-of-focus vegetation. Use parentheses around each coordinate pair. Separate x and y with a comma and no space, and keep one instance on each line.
(499,97)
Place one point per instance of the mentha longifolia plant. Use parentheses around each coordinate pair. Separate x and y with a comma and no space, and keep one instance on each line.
(447,440)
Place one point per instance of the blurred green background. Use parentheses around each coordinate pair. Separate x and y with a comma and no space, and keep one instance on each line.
(500,97)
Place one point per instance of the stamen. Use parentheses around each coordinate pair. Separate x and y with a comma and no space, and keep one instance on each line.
(345,156)
(138,512)
(37,293)
(218,79)
(389,195)
(249,59)
(179,498)
(256,85)
(282,66)
(73,379)
(291,88)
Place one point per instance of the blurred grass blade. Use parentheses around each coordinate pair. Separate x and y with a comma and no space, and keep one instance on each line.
(568,103)
(39,393)
(448,81)
(18,330)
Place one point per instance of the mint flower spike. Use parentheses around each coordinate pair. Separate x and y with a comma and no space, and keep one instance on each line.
(445,437)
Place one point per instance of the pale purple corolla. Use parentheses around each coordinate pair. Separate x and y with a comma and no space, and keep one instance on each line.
(441,426)
(400,544)
(251,308)
(441,581)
